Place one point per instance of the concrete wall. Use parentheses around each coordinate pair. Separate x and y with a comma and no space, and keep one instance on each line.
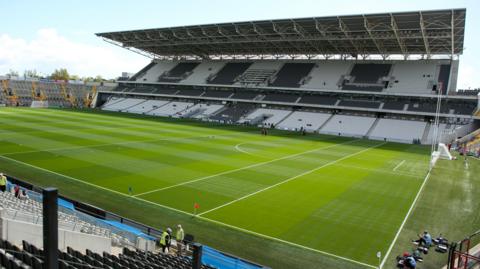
(16,231)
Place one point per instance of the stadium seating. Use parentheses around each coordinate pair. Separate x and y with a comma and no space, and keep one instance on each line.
(309,121)
(200,111)
(168,91)
(171,109)
(28,256)
(202,72)
(233,113)
(359,103)
(281,97)
(190,92)
(265,116)
(179,72)
(122,105)
(217,94)
(228,74)
(326,75)
(292,74)
(366,77)
(393,105)
(404,131)
(244,95)
(346,125)
(318,100)
(142,72)
(413,77)
(146,106)
(369,73)
(259,73)
(443,77)
(152,74)
(30,211)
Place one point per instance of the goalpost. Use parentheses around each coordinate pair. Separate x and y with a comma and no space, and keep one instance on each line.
(438,150)
(39,104)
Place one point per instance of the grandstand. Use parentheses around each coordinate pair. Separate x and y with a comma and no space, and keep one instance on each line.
(324,76)
(346,105)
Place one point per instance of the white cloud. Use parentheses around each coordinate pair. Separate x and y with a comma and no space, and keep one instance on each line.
(49,50)
(467,76)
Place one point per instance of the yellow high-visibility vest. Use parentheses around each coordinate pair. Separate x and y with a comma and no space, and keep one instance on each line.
(3,180)
(163,239)
(180,234)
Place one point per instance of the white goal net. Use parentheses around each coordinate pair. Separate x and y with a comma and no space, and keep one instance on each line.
(39,104)
(442,152)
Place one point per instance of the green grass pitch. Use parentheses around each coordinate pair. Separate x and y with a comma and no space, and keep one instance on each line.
(337,197)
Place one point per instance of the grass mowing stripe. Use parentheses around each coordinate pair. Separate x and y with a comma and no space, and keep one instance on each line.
(292,178)
(243,168)
(93,185)
(190,214)
(385,171)
(398,165)
(404,221)
(237,147)
(287,242)
(100,145)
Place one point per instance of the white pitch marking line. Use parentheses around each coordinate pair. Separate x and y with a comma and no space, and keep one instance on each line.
(237,147)
(405,220)
(398,165)
(287,242)
(291,178)
(187,213)
(240,169)
(102,145)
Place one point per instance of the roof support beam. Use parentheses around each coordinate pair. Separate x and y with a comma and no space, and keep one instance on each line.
(321,29)
(394,26)
(301,32)
(285,39)
(343,27)
(379,47)
(453,33)
(423,29)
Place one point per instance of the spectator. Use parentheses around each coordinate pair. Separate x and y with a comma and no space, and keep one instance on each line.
(166,240)
(180,236)
(425,240)
(3,182)
(23,195)
(409,261)
(16,191)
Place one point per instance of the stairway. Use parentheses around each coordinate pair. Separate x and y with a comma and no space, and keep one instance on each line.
(325,123)
(425,133)
(370,130)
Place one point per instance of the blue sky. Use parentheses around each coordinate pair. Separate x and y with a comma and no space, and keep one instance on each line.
(48,34)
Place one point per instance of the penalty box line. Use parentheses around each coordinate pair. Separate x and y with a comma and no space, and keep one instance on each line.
(412,206)
(190,214)
(242,168)
(293,178)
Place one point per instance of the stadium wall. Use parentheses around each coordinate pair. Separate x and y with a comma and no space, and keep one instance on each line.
(15,231)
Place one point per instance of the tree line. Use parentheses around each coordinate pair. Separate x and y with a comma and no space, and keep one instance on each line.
(57,74)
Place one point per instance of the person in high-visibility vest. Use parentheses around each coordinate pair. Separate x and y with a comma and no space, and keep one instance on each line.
(166,239)
(3,182)
(179,237)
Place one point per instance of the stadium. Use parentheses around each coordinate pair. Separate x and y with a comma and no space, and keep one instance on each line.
(321,142)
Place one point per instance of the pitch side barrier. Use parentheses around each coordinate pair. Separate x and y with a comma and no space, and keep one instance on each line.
(211,256)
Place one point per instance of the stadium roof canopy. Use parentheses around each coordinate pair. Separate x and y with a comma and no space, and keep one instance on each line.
(426,33)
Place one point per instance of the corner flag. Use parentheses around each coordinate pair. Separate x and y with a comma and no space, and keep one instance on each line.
(195,207)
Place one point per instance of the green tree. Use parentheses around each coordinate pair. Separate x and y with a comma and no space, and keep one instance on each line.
(12,73)
(98,78)
(60,74)
(31,74)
